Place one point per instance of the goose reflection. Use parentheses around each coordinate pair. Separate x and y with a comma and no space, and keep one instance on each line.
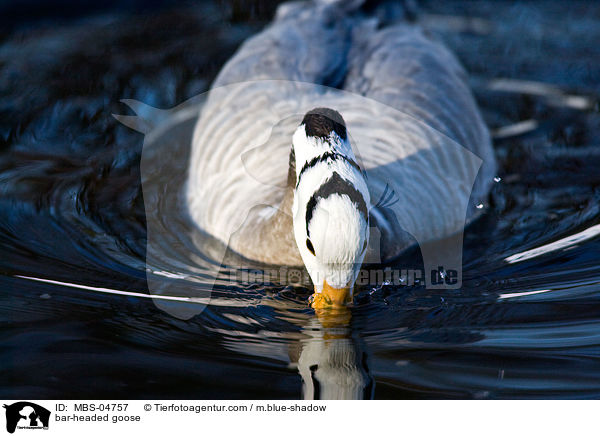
(333,361)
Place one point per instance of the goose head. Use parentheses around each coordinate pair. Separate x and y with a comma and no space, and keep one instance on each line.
(330,208)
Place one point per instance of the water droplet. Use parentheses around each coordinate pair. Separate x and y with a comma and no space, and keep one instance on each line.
(497,179)
(479,206)
(45,296)
(387,283)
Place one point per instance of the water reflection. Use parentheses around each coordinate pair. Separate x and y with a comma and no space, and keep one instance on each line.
(524,323)
(333,363)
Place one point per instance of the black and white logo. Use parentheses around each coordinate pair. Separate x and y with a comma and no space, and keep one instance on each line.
(26,415)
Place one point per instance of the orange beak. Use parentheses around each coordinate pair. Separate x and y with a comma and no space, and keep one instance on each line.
(330,306)
(331,298)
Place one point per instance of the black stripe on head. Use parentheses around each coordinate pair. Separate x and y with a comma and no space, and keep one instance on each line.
(336,185)
(328,155)
(321,121)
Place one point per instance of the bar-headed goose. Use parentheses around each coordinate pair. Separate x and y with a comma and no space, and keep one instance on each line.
(331,134)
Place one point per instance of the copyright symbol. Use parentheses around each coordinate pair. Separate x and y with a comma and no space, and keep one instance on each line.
(147,407)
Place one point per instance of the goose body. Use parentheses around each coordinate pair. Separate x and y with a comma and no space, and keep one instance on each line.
(413,131)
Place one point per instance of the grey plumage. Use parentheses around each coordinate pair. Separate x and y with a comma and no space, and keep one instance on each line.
(411,118)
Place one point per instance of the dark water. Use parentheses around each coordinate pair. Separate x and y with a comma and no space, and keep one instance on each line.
(72,210)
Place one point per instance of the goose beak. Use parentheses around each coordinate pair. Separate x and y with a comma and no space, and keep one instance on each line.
(331,298)
(331,306)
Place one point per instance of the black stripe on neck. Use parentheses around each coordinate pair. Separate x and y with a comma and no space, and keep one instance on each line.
(336,185)
(328,155)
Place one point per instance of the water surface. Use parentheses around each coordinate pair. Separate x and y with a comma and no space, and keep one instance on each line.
(525,324)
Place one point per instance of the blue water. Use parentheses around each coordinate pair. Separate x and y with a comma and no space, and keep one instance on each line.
(72,210)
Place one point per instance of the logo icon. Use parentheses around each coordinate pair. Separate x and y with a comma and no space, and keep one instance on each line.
(26,415)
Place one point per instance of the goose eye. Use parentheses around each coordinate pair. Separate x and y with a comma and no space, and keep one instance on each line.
(310,247)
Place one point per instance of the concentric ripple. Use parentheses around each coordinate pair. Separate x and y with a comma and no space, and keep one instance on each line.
(76,309)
